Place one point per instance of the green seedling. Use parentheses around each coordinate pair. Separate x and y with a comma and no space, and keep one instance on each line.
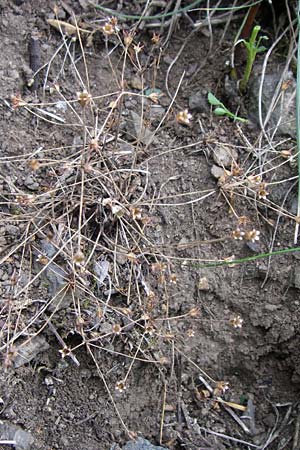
(253,47)
(221,109)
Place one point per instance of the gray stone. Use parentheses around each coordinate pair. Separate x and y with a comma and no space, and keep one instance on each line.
(285,110)
(10,432)
(31,183)
(28,351)
(137,130)
(141,444)
(12,230)
(198,101)
(216,171)
(296,277)
(224,156)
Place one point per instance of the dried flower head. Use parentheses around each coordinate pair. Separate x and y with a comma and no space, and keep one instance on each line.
(238,234)
(9,358)
(136,213)
(190,333)
(132,257)
(254,179)
(156,38)
(221,388)
(149,329)
(16,101)
(252,235)
(116,328)
(84,98)
(66,351)
(184,117)
(110,27)
(262,192)
(236,170)
(78,258)
(42,259)
(120,386)
(128,37)
(158,267)
(243,220)
(194,312)
(34,164)
(236,322)
(94,145)
(173,278)
(25,200)
(286,153)
(138,48)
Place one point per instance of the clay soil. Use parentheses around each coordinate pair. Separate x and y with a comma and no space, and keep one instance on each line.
(178,318)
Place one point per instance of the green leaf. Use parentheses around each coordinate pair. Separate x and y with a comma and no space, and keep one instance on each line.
(261,49)
(213,100)
(240,119)
(152,91)
(220,112)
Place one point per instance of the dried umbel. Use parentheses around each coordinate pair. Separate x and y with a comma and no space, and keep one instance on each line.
(116,328)
(120,386)
(128,37)
(173,278)
(252,235)
(238,235)
(78,258)
(262,192)
(236,322)
(190,333)
(221,388)
(156,38)
(94,144)
(17,102)
(184,117)
(34,164)
(42,259)
(66,351)
(84,98)
(136,213)
(110,27)
(25,200)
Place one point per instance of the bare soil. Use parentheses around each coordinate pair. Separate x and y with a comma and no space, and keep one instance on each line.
(68,407)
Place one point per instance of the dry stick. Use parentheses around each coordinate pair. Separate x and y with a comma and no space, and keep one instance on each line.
(115,352)
(229,438)
(172,24)
(108,390)
(296,433)
(270,248)
(274,434)
(55,256)
(134,358)
(162,419)
(38,314)
(61,341)
(261,121)
(194,364)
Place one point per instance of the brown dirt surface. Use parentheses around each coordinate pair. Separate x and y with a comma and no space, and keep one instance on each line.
(149,212)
